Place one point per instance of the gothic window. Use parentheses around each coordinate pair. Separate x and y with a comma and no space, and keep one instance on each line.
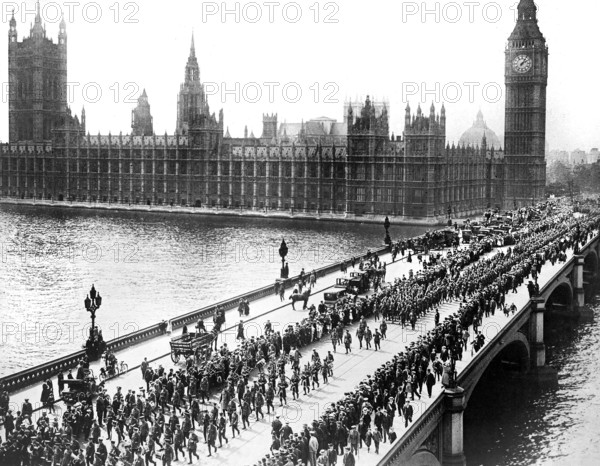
(260,168)
(326,170)
(360,172)
(360,194)
(287,170)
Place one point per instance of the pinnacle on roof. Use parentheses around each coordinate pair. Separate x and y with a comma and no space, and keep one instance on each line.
(527,10)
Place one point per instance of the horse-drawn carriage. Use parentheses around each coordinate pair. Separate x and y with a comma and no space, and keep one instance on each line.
(188,344)
(76,390)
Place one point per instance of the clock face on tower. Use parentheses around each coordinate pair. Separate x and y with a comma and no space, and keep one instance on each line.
(522,64)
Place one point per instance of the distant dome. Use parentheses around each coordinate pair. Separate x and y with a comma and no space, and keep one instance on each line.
(474,134)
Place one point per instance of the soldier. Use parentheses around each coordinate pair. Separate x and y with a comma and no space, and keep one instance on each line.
(276,426)
(192,446)
(222,430)
(168,454)
(269,397)
(368,337)
(233,422)
(178,443)
(212,437)
(295,381)
(348,341)
(282,391)
(246,410)
(258,404)
(383,328)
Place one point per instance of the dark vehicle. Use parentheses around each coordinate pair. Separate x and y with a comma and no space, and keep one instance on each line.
(79,390)
(359,281)
(331,297)
(187,344)
(466,236)
(418,244)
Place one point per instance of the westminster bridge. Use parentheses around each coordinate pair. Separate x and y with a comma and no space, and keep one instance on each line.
(435,436)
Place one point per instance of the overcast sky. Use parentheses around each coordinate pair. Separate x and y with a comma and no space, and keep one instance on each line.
(328,52)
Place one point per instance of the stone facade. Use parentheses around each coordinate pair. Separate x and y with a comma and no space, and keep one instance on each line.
(358,170)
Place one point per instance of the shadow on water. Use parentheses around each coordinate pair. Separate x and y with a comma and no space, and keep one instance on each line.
(509,421)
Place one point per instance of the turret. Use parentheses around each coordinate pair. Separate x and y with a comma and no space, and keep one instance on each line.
(443,117)
(407,115)
(62,32)
(12,31)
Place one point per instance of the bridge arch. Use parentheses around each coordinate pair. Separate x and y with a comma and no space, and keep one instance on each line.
(514,353)
(423,457)
(560,298)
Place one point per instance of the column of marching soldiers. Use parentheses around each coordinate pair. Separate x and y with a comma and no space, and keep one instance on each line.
(165,419)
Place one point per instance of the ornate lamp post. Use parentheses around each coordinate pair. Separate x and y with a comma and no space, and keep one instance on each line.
(386,225)
(283,250)
(92,303)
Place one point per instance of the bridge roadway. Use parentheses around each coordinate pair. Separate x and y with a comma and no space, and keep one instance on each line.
(349,370)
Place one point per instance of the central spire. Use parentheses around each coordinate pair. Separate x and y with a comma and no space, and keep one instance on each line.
(38,16)
(193,46)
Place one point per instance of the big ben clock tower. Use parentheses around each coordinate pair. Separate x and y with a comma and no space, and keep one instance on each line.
(526,75)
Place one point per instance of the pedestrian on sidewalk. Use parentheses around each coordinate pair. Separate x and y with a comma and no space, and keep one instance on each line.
(429,382)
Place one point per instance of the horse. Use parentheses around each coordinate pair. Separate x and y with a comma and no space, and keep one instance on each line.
(300,297)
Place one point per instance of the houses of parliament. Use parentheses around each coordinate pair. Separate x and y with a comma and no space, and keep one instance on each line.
(350,169)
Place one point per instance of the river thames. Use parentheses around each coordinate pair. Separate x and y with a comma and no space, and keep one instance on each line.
(509,424)
(146,266)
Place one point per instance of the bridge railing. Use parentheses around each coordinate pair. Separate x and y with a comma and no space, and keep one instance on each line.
(44,371)
(431,418)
